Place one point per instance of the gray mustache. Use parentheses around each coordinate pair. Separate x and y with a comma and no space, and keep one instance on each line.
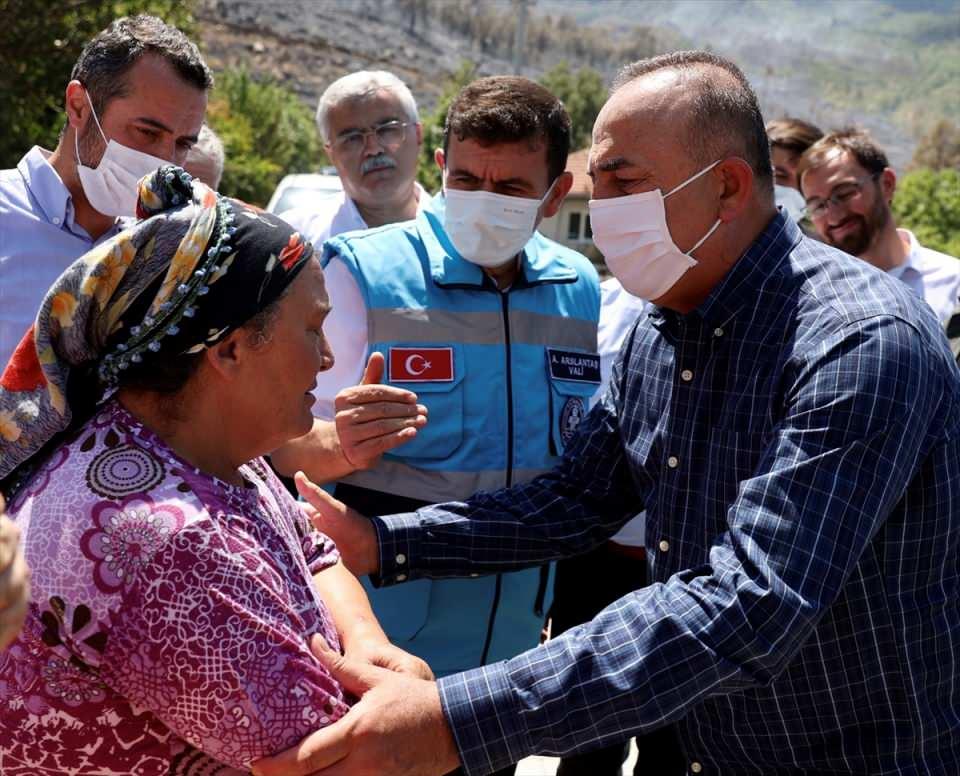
(378,162)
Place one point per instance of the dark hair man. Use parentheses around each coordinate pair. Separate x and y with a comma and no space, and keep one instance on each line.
(849,185)
(494,327)
(790,420)
(789,138)
(136,99)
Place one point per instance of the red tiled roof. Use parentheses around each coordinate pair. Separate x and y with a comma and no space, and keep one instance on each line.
(577,164)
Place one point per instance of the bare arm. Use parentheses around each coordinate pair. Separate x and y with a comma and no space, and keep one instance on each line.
(361,635)
(14,581)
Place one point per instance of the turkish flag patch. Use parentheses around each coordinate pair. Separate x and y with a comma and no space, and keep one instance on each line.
(421,365)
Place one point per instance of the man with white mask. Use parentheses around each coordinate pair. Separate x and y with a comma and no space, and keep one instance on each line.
(790,420)
(136,99)
(490,330)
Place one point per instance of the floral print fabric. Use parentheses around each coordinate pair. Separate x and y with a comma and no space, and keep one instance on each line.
(170,617)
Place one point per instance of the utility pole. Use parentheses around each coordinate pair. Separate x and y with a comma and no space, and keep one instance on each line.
(522,8)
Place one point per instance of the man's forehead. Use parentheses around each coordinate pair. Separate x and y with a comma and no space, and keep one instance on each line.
(837,166)
(155,94)
(363,109)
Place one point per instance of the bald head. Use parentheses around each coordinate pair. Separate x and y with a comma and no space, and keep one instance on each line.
(702,99)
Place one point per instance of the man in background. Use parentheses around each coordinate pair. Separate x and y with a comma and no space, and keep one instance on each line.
(206,158)
(494,328)
(789,138)
(371,131)
(136,99)
(848,186)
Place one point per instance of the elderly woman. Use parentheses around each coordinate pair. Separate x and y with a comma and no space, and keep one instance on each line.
(175,582)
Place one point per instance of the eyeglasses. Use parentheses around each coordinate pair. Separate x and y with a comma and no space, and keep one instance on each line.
(390,134)
(840,196)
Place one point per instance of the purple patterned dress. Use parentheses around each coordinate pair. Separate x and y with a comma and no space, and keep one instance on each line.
(170,616)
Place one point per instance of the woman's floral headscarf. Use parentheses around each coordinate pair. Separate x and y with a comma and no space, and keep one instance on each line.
(194,269)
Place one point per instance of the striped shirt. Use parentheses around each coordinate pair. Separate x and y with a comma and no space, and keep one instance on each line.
(795,442)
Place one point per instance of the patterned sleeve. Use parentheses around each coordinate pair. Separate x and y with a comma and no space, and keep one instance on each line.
(212,639)
(318,548)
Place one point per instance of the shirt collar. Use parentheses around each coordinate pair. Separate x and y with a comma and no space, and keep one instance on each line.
(46,187)
(449,268)
(743,284)
(913,264)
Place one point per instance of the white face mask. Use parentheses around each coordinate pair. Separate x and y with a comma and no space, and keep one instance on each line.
(111,187)
(632,234)
(489,229)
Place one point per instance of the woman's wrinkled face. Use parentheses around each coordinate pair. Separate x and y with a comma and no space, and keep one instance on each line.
(279,374)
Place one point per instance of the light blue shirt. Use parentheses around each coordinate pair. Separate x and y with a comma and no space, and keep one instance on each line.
(39,239)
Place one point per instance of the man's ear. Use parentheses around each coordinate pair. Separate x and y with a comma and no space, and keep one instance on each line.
(561,188)
(888,184)
(439,158)
(76,105)
(737,184)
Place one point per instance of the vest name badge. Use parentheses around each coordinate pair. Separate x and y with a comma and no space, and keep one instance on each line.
(571,365)
(420,365)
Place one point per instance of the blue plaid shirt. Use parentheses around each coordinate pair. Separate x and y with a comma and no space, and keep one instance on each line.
(795,443)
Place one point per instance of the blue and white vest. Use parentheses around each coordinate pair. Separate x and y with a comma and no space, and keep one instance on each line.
(506,378)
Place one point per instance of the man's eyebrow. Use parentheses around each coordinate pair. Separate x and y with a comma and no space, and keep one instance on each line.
(607,165)
(378,123)
(164,128)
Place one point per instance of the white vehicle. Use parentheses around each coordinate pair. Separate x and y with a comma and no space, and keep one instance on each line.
(304,188)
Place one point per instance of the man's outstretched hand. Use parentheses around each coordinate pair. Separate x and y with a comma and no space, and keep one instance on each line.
(353,533)
(396,727)
(372,418)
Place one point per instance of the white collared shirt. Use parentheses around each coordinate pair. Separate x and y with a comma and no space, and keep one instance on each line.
(346,326)
(933,276)
(619,310)
(39,239)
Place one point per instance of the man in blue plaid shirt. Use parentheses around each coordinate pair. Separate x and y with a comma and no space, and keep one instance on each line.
(789,418)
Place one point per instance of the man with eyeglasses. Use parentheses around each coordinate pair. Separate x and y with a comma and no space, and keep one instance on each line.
(371,131)
(848,186)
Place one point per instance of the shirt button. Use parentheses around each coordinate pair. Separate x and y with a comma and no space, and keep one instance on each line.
(686,375)
(695,767)
(664,545)
(474,575)
(673,462)
(718,332)
(56,220)
(401,558)
(401,577)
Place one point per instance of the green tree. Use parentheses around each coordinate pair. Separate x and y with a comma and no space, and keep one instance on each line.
(927,203)
(39,44)
(267,132)
(433,122)
(583,94)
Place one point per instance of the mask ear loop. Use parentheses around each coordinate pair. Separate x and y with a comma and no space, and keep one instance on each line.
(76,143)
(692,178)
(703,239)
(716,223)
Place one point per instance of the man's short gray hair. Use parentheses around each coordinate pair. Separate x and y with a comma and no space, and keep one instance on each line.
(207,150)
(725,115)
(362,84)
